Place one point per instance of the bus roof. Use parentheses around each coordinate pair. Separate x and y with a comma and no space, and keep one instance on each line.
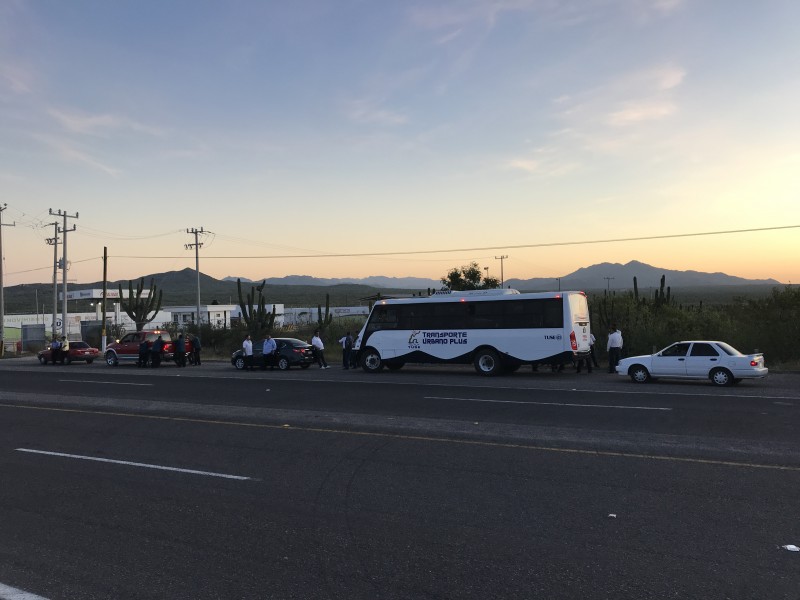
(477,295)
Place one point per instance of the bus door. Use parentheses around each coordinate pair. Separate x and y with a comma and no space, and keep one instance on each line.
(578,308)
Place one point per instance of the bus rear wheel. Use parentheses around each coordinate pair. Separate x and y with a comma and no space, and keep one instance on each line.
(371,361)
(487,362)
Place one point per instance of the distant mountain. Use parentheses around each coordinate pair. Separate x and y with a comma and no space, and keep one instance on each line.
(411,283)
(618,276)
(586,278)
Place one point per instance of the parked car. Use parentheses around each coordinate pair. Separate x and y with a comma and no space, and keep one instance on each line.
(78,352)
(720,362)
(290,352)
(126,349)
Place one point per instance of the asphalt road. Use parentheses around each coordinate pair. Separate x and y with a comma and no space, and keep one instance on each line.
(207,482)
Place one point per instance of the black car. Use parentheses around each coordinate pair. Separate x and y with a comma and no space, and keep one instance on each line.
(291,352)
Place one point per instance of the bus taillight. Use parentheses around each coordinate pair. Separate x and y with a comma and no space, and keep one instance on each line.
(573,341)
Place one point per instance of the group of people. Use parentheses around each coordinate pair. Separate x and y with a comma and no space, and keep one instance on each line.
(613,347)
(151,355)
(270,352)
(59,349)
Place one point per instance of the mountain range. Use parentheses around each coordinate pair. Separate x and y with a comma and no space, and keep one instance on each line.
(599,276)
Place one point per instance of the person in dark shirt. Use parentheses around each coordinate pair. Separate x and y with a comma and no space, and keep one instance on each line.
(196,347)
(144,354)
(156,351)
(180,351)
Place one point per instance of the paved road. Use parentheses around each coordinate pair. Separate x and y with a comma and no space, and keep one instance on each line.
(426,483)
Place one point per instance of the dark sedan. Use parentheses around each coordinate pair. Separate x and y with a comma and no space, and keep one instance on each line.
(78,352)
(290,352)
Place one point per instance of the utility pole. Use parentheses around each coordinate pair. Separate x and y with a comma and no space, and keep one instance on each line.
(65,231)
(2,300)
(197,245)
(104,300)
(608,282)
(501,258)
(53,241)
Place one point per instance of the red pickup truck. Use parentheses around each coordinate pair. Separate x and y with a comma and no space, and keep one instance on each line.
(126,350)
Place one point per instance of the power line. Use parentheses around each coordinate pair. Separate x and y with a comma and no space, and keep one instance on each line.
(487,248)
(418,252)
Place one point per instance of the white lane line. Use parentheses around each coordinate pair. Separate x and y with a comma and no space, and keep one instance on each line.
(103,382)
(10,593)
(547,403)
(523,388)
(136,464)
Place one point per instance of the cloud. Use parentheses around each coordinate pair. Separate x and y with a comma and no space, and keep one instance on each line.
(70,153)
(16,79)
(635,112)
(368,111)
(99,124)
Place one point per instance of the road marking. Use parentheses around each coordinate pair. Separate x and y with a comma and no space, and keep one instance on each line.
(397,436)
(547,403)
(10,593)
(640,391)
(135,464)
(103,382)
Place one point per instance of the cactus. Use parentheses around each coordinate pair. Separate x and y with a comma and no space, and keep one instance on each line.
(254,311)
(323,321)
(138,307)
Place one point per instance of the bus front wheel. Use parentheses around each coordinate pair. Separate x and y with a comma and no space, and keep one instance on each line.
(487,362)
(371,361)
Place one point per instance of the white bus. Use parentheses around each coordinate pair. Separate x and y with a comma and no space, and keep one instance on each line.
(495,330)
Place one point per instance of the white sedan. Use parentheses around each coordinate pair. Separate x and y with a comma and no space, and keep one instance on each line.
(720,362)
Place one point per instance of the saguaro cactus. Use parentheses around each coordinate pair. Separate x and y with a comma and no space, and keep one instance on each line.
(137,306)
(254,310)
(323,321)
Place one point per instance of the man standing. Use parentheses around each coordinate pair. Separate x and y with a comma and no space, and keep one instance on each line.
(347,347)
(64,349)
(196,347)
(55,350)
(247,347)
(155,352)
(614,348)
(180,351)
(319,350)
(592,340)
(144,353)
(268,351)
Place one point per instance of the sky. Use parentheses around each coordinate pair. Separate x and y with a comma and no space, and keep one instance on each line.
(399,138)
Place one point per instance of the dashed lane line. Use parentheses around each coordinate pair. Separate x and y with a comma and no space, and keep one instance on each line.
(136,464)
(422,438)
(548,403)
(103,382)
(9,593)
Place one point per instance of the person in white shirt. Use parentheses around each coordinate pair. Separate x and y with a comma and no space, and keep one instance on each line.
(614,348)
(592,341)
(319,350)
(347,345)
(247,346)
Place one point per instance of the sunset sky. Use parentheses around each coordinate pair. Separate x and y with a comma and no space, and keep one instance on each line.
(314,128)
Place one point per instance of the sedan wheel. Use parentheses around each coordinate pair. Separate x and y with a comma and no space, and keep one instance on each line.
(283,363)
(239,362)
(639,374)
(721,377)
(111,359)
(43,360)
